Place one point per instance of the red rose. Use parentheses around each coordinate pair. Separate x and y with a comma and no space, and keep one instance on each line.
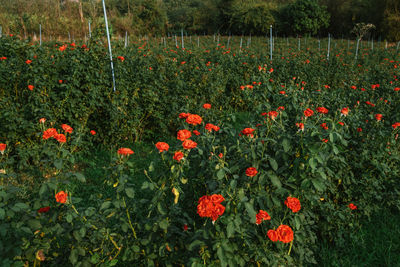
(92,132)
(184,115)
(272,115)
(184,134)
(300,125)
(185,227)
(196,132)
(322,110)
(323,125)
(209,127)
(51,132)
(293,204)
(208,208)
(60,138)
(189,144)
(308,112)
(352,206)
(125,151)
(44,209)
(42,120)
(251,171)
(285,233)
(30,87)
(67,128)
(216,198)
(161,146)
(341,123)
(345,111)
(194,119)
(178,156)
(61,197)
(207,106)
(262,216)
(273,235)
(248,132)
(378,117)
(2,148)
(359,129)
(28,61)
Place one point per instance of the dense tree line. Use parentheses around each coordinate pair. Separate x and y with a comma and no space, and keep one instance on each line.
(289,17)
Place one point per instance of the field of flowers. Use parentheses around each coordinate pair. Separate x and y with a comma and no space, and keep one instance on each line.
(253,161)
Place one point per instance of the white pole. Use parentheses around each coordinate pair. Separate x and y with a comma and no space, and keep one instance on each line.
(126,39)
(386,45)
(40,33)
(1,32)
(176,41)
(90,31)
(229,39)
(358,41)
(372,44)
(329,46)
(319,45)
(183,43)
(241,41)
(198,41)
(270,42)
(109,44)
(69,37)
(397,48)
(298,46)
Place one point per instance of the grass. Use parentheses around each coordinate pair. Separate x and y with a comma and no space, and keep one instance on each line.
(376,244)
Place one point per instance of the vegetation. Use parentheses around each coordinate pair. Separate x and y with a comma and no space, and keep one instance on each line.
(156,17)
(246,161)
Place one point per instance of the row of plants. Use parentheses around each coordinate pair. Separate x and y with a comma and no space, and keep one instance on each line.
(317,154)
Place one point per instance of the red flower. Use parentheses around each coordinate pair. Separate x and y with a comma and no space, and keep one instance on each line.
(184,115)
(248,132)
(322,110)
(61,197)
(161,146)
(28,61)
(273,235)
(185,227)
(220,155)
(63,47)
(121,58)
(395,125)
(308,112)
(125,151)
(178,156)
(280,108)
(323,125)
(194,119)
(359,129)
(67,128)
(293,204)
(262,216)
(42,120)
(300,125)
(285,233)
(345,111)
(92,132)
(209,208)
(189,144)
(251,171)
(2,147)
(282,92)
(341,123)
(378,117)
(30,87)
(60,138)
(44,209)
(352,206)
(272,114)
(51,132)
(325,140)
(196,132)
(209,127)
(397,89)
(207,106)
(184,134)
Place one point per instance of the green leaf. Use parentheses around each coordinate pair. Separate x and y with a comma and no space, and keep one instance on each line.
(151,166)
(21,206)
(230,229)
(297,223)
(250,210)
(69,218)
(43,189)
(73,257)
(58,164)
(80,177)
(77,236)
(129,192)
(195,244)
(160,209)
(275,180)
(221,174)
(113,262)
(164,224)
(273,163)
(313,163)
(286,145)
(2,214)
(318,185)
(105,205)
(34,224)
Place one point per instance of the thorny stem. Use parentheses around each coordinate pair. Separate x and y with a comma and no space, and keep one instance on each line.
(129,219)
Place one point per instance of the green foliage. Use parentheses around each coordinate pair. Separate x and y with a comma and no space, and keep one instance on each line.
(304,17)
